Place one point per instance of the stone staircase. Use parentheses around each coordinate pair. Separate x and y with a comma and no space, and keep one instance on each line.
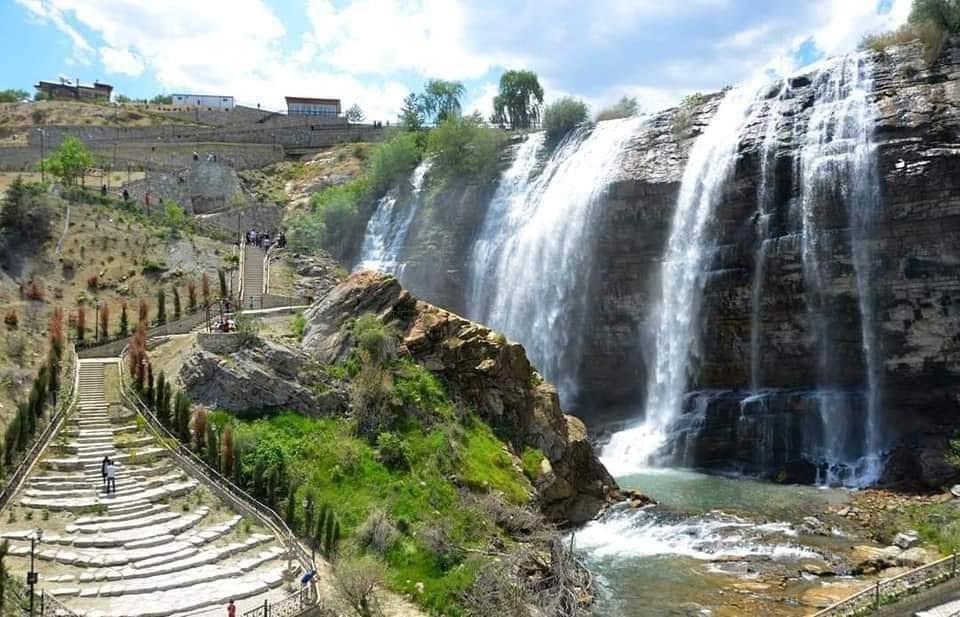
(161,545)
(253,257)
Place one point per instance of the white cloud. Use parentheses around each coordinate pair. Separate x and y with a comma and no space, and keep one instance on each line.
(49,12)
(384,36)
(746,38)
(846,22)
(120,61)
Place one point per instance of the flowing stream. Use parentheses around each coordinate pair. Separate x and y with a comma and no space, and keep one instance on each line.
(532,258)
(386,232)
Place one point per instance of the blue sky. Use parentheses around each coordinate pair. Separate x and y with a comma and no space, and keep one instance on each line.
(373,52)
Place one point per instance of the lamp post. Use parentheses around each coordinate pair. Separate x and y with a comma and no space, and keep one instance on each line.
(32,574)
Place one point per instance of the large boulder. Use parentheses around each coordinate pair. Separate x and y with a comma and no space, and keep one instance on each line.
(226,372)
(490,373)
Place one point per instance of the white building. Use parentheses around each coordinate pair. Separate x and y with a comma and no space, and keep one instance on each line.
(203,101)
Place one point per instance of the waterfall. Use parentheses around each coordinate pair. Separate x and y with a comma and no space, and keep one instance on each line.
(386,231)
(532,258)
(765,204)
(681,282)
(838,164)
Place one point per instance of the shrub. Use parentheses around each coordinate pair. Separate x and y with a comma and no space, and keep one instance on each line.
(299,325)
(248,328)
(392,161)
(371,395)
(378,534)
(93,282)
(393,451)
(626,107)
(26,213)
(153,266)
(562,116)
(377,339)
(357,578)
(11,319)
(35,291)
(462,147)
(683,115)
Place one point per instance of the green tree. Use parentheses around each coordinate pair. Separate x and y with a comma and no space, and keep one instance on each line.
(14,96)
(624,108)
(562,116)
(122,98)
(411,115)
(69,161)
(222,277)
(124,320)
(176,303)
(3,576)
(25,212)
(462,147)
(161,306)
(441,99)
(943,13)
(162,99)
(355,114)
(518,102)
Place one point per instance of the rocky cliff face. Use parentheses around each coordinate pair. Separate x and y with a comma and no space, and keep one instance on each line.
(489,373)
(915,248)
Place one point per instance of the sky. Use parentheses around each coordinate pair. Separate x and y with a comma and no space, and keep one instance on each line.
(374,52)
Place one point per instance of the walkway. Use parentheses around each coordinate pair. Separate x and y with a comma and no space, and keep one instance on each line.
(161,545)
(253,257)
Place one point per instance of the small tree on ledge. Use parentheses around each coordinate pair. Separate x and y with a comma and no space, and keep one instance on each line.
(69,161)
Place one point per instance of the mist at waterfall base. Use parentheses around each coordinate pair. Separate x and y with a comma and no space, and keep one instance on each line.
(835,436)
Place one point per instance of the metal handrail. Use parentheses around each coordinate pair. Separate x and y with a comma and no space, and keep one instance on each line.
(215,479)
(885,590)
(50,606)
(65,402)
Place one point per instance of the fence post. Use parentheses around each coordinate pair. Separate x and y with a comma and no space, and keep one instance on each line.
(876,596)
(266,608)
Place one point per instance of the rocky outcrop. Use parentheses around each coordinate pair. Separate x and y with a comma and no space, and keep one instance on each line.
(488,372)
(228,372)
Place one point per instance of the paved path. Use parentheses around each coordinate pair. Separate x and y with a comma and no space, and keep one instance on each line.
(252,275)
(159,546)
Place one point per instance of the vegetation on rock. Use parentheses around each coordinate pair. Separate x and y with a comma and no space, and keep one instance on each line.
(562,116)
(931,22)
(626,107)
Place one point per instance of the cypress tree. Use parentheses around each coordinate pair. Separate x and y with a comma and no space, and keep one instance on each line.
(176,303)
(223,283)
(308,515)
(228,451)
(53,377)
(237,465)
(158,395)
(3,574)
(183,417)
(25,424)
(330,535)
(258,471)
(213,451)
(290,514)
(149,394)
(161,307)
(164,411)
(124,327)
(317,539)
(10,438)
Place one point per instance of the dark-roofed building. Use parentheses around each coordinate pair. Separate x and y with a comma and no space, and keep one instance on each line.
(64,91)
(303,106)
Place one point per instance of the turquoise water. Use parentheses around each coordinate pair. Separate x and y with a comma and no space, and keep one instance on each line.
(707,548)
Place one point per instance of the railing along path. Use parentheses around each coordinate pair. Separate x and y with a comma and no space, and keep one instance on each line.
(889,590)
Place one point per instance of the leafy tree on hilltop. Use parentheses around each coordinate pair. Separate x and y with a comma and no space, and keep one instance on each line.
(25,211)
(441,99)
(355,114)
(411,115)
(943,13)
(14,96)
(69,161)
(519,100)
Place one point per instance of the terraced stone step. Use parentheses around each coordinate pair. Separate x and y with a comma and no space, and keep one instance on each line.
(176,489)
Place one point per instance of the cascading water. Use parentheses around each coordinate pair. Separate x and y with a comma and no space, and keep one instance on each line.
(682,277)
(532,257)
(838,164)
(386,231)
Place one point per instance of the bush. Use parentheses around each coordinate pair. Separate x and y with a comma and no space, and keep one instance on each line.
(562,116)
(683,116)
(393,451)
(11,320)
(626,107)
(248,327)
(153,266)
(378,534)
(371,398)
(357,579)
(26,213)
(93,282)
(374,337)
(393,160)
(299,325)
(334,218)
(462,147)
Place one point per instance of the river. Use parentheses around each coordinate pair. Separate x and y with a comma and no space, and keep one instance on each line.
(712,545)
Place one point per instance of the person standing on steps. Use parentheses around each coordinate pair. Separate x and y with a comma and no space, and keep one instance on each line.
(111,477)
(231,609)
(103,470)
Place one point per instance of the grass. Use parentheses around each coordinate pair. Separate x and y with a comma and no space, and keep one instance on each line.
(531,459)
(931,37)
(937,524)
(452,452)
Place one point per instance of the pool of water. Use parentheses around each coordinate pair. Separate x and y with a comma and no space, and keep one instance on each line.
(711,546)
